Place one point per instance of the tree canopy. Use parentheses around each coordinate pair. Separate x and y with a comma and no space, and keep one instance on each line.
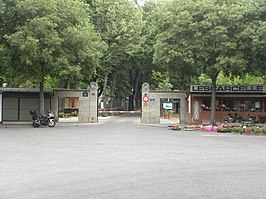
(49,38)
(120,44)
(206,37)
(119,23)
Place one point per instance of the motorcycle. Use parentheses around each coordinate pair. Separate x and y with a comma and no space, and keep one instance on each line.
(45,120)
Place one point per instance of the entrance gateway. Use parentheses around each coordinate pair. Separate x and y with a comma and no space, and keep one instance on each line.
(15,103)
(153,102)
(237,102)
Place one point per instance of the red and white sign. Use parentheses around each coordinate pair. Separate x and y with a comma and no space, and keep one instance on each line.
(145,99)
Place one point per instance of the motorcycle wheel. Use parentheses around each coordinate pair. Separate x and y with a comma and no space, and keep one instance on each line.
(35,125)
(51,122)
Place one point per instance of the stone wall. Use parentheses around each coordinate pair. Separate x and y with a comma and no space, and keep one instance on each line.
(88,109)
(88,105)
(151,104)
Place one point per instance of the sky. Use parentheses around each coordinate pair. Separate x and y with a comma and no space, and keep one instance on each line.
(141,2)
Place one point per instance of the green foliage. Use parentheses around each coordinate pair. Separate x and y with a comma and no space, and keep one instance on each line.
(253,37)
(50,82)
(200,37)
(196,37)
(49,38)
(55,35)
(118,43)
(242,129)
(162,80)
(74,114)
(204,79)
(263,129)
(119,23)
(222,79)
(61,115)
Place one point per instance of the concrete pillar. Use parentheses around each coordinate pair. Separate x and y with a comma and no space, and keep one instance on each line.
(183,110)
(88,105)
(54,106)
(154,108)
(93,116)
(145,114)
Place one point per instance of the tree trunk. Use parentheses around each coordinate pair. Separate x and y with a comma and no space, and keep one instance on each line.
(61,84)
(113,90)
(136,90)
(213,98)
(42,91)
(103,95)
(131,103)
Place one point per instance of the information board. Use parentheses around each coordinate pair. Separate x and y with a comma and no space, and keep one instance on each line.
(168,106)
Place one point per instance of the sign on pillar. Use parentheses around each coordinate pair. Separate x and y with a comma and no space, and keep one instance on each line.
(93,103)
(145,117)
(146,98)
(88,104)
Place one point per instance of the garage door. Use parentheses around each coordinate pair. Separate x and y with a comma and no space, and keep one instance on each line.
(17,109)
(27,104)
(10,109)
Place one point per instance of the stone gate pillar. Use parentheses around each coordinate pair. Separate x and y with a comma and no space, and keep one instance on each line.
(88,105)
(54,105)
(145,101)
(183,109)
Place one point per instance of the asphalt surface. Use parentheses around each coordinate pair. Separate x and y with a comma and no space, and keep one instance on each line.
(122,159)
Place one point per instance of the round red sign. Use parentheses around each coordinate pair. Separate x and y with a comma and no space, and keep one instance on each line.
(145,99)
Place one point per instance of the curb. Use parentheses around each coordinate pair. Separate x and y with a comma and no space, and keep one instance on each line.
(58,125)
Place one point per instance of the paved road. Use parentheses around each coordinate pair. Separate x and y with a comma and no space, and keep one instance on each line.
(122,159)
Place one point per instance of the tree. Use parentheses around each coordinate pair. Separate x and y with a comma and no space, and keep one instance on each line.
(50,38)
(2,67)
(202,37)
(119,23)
(222,79)
(253,38)
(162,80)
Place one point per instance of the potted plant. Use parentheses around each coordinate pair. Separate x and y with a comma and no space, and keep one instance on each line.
(176,127)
